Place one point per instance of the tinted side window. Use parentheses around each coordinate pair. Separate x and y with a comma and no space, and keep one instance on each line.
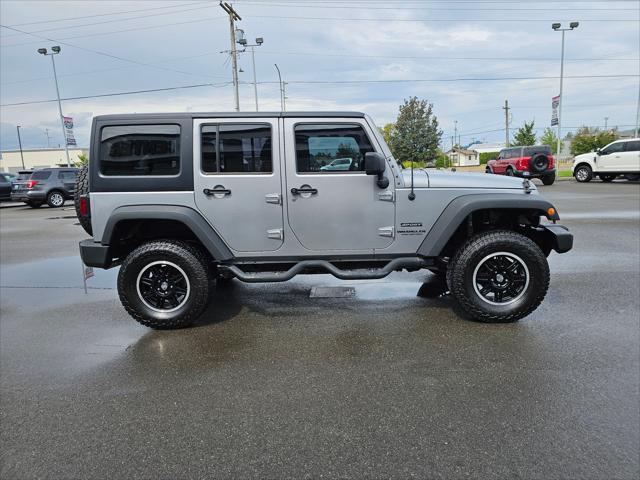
(632,146)
(67,176)
(236,148)
(140,150)
(613,148)
(331,148)
(531,151)
(40,175)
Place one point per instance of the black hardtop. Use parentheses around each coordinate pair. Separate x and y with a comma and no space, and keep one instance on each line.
(191,115)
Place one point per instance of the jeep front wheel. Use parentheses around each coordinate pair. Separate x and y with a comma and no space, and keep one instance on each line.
(164,284)
(498,276)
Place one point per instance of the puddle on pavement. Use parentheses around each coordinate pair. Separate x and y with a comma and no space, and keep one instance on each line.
(62,272)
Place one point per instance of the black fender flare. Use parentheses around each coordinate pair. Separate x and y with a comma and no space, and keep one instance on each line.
(185,215)
(455,213)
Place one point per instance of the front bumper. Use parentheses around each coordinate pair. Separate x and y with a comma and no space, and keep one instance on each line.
(558,237)
(94,254)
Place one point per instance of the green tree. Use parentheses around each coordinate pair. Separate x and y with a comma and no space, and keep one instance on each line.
(387,132)
(550,138)
(590,139)
(416,134)
(83,159)
(525,135)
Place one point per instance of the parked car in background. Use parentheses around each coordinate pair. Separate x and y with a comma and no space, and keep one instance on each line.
(5,186)
(338,164)
(529,162)
(621,157)
(50,185)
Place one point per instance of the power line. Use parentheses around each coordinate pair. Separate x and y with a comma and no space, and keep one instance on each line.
(97,52)
(449,9)
(107,21)
(106,14)
(443,20)
(312,82)
(116,94)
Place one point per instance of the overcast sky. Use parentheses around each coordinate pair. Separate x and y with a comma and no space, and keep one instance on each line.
(123,46)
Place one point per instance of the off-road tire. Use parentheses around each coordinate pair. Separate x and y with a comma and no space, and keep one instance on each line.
(33,204)
(464,262)
(52,199)
(189,258)
(607,178)
(82,188)
(548,179)
(510,172)
(588,175)
(539,163)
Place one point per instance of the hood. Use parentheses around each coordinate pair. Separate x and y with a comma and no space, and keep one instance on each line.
(584,157)
(446,179)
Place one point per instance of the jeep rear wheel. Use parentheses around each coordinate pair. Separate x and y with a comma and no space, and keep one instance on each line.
(499,276)
(164,284)
(583,173)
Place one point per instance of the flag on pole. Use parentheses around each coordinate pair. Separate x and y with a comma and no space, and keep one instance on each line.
(555,102)
(68,131)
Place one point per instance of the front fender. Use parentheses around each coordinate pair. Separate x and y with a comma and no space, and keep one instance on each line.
(460,208)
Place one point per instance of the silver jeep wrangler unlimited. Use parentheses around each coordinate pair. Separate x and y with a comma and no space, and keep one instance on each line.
(180,199)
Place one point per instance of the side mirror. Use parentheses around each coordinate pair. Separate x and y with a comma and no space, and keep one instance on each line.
(375,164)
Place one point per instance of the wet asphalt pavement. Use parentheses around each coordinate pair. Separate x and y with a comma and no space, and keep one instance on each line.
(272,383)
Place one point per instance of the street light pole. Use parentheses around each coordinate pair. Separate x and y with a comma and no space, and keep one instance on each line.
(55,51)
(556,27)
(280,84)
(259,41)
(20,143)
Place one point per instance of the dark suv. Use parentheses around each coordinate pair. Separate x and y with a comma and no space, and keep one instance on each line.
(528,162)
(51,185)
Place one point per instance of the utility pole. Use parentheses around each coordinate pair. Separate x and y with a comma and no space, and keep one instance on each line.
(20,143)
(46,132)
(506,123)
(606,119)
(455,130)
(284,96)
(233,16)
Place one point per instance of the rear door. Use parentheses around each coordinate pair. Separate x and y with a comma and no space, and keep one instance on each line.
(611,158)
(68,180)
(335,209)
(237,183)
(632,156)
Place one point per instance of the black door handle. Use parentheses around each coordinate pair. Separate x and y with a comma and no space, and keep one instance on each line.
(298,191)
(218,190)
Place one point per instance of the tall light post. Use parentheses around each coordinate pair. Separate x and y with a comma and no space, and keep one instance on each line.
(281,88)
(558,28)
(259,41)
(20,143)
(55,51)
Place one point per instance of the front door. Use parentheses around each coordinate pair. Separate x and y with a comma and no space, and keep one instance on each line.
(611,159)
(237,182)
(332,204)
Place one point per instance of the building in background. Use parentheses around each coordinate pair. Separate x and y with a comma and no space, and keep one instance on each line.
(11,161)
(461,157)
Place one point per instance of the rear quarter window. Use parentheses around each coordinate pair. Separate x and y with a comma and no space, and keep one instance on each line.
(139,150)
(531,151)
(40,175)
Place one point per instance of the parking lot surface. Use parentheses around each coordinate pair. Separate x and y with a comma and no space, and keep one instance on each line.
(272,383)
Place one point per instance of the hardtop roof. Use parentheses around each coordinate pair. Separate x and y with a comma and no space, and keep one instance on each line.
(187,115)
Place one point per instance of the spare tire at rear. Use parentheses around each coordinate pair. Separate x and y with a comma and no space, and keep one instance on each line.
(82,188)
(539,163)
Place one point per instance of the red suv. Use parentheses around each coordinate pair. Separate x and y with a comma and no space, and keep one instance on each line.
(528,162)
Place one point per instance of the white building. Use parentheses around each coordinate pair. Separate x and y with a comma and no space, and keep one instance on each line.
(461,157)
(12,161)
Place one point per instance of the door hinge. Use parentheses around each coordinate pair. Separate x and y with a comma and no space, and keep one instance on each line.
(387,232)
(387,196)
(276,234)
(273,198)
